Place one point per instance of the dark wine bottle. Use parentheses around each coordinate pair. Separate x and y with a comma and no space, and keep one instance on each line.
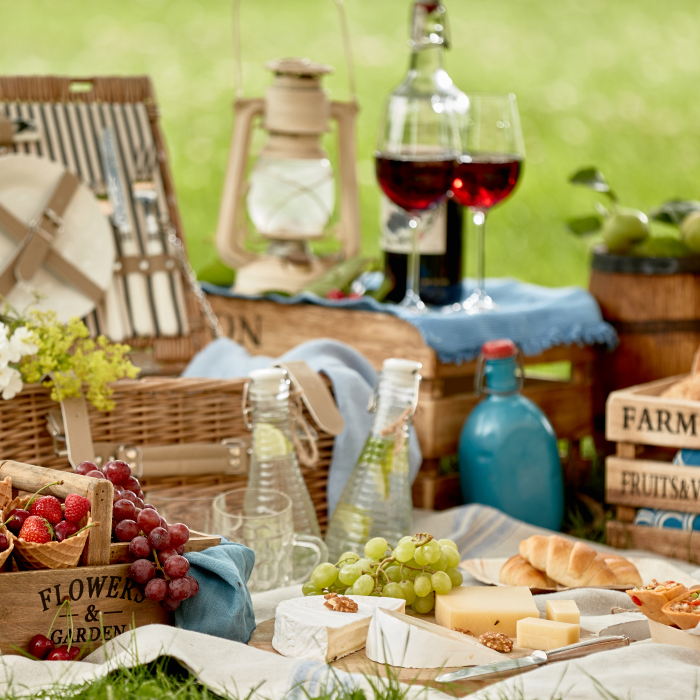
(440,258)
(441,243)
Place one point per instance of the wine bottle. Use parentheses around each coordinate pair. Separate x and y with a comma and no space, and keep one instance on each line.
(441,243)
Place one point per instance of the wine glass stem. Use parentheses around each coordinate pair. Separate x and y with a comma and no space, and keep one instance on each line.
(413,269)
(479,218)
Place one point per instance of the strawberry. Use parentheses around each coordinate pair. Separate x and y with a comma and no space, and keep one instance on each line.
(49,508)
(37,530)
(77,507)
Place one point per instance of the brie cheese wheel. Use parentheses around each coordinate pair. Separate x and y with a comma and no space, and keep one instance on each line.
(634,625)
(409,642)
(306,629)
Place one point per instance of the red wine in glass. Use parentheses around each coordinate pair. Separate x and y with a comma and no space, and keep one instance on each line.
(415,183)
(483,180)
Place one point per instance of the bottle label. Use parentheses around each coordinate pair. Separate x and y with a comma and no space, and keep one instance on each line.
(396,233)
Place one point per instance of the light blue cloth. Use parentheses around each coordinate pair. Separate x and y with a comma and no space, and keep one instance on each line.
(222,607)
(536,318)
(351,375)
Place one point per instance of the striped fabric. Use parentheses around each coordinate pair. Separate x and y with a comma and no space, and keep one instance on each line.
(70,135)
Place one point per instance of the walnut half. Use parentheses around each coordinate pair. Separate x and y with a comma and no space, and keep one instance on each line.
(497,641)
(340,603)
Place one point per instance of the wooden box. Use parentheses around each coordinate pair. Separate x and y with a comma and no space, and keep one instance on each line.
(648,430)
(447,391)
(104,601)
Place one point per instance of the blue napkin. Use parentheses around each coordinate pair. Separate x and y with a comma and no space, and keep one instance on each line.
(536,318)
(223,607)
(352,378)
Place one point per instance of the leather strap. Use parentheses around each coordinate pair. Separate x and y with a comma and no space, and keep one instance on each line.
(316,396)
(183,459)
(7,132)
(18,230)
(77,430)
(45,230)
(146,265)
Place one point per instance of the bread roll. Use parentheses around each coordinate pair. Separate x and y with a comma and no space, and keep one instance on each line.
(518,572)
(625,571)
(571,564)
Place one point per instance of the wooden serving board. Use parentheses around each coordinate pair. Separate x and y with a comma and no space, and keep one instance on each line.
(359,663)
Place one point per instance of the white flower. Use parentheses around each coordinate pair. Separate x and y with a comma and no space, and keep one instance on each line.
(10,382)
(20,344)
(3,331)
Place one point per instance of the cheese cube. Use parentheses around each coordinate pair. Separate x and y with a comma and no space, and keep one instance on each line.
(482,609)
(563,611)
(546,634)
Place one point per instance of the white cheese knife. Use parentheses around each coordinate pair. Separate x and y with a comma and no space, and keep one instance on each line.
(538,658)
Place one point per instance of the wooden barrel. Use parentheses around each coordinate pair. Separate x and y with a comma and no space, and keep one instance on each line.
(654,304)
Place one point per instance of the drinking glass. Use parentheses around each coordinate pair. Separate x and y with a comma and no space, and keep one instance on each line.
(262,520)
(487,171)
(415,152)
(181,505)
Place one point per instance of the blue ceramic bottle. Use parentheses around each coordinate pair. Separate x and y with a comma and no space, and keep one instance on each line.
(508,456)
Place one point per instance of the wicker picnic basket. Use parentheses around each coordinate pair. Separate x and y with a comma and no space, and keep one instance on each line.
(152,411)
(41,98)
(155,411)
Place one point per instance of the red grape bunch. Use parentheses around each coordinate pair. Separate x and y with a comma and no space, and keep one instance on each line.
(165,578)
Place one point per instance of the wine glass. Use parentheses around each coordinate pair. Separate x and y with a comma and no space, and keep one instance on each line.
(415,154)
(487,172)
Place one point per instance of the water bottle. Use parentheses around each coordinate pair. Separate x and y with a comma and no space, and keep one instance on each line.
(508,456)
(376,501)
(273,460)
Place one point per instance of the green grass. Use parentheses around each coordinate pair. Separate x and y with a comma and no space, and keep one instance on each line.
(611,84)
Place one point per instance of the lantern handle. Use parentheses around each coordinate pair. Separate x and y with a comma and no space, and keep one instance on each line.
(238,61)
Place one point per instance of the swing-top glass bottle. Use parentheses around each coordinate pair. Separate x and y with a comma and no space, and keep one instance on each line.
(273,462)
(376,501)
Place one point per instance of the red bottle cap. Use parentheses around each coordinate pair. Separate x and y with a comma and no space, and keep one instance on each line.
(498,349)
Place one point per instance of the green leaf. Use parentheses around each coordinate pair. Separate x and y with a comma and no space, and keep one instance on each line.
(585,225)
(674,211)
(594,180)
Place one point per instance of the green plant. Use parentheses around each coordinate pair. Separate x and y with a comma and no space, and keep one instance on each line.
(37,347)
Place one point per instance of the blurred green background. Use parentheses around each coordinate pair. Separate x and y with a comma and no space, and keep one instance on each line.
(599,82)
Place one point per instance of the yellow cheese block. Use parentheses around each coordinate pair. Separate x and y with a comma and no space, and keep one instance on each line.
(563,611)
(546,634)
(482,609)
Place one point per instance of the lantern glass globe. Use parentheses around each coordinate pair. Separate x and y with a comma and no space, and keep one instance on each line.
(291,198)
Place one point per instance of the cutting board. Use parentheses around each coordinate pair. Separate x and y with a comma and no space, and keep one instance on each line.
(359,663)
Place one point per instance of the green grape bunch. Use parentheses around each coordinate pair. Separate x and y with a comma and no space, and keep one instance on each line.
(415,570)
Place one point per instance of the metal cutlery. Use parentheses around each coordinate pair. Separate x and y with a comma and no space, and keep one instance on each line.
(538,658)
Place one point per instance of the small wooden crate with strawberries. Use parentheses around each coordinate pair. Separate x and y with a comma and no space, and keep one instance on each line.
(40,573)
(650,423)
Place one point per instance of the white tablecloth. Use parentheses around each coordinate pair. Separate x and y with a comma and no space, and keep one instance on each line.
(644,671)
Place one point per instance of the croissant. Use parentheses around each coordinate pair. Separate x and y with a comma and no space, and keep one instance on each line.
(572,564)
(518,572)
(625,571)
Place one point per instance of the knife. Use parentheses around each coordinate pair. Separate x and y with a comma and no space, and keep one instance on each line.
(538,658)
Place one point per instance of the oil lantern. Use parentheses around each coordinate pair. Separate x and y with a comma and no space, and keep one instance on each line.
(289,193)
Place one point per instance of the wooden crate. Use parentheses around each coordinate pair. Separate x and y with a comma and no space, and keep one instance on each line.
(648,430)
(447,391)
(104,601)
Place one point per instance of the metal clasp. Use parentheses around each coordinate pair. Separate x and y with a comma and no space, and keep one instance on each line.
(480,388)
(238,455)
